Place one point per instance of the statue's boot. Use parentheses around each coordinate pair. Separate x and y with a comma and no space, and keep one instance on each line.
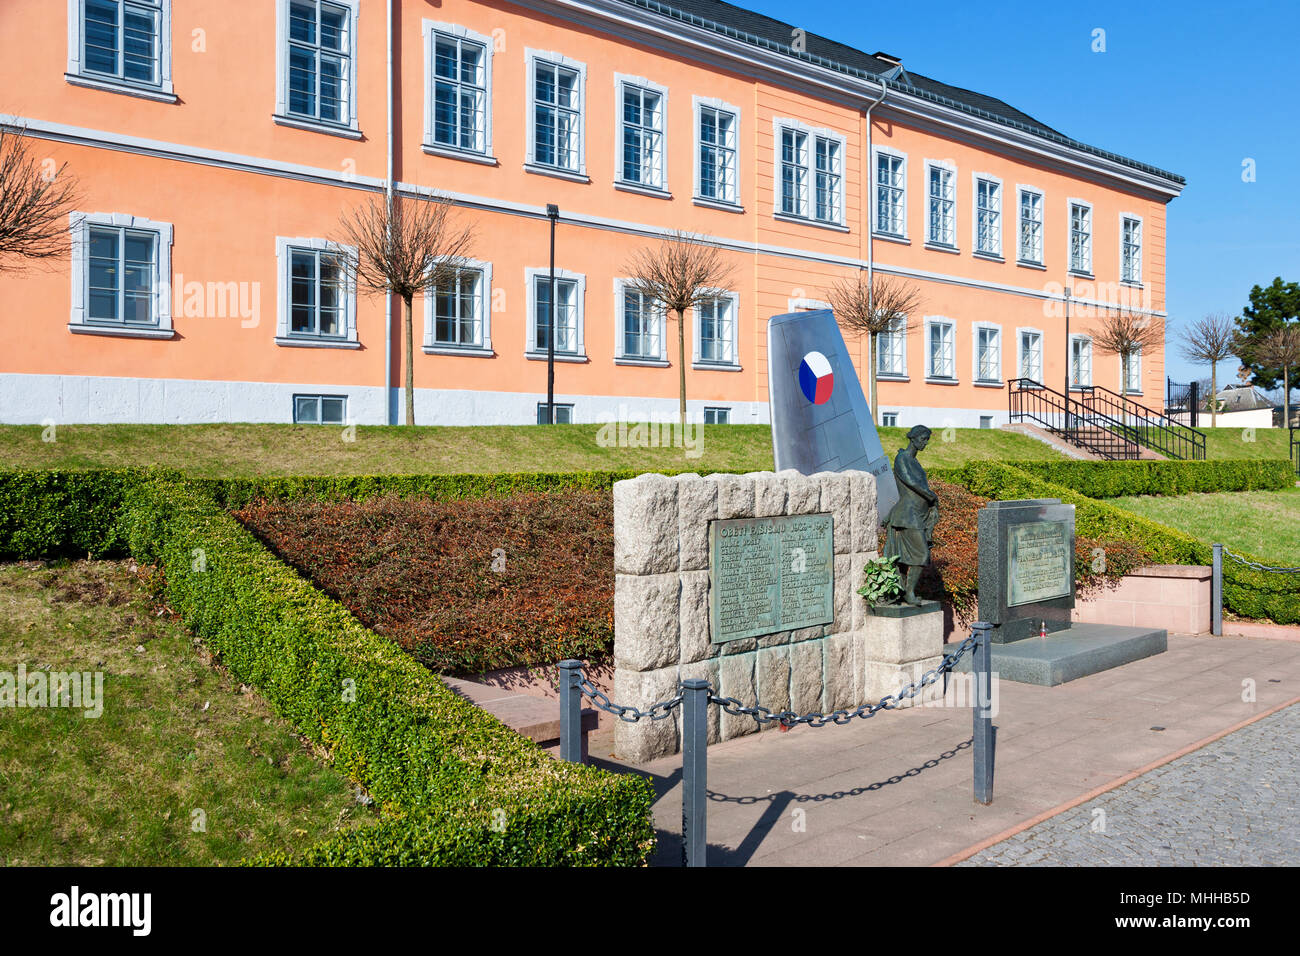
(913,579)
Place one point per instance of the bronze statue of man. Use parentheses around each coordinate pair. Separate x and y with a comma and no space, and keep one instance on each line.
(910,525)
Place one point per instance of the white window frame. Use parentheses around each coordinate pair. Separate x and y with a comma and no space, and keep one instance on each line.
(284,246)
(725,409)
(559,408)
(697,359)
(901,336)
(1136,278)
(807,214)
(484,348)
(80,224)
(1135,372)
(320,401)
(1020,352)
(933,322)
(533,57)
(453,31)
(1021,191)
(976,377)
(1081,384)
(698,105)
(621,83)
(932,165)
(876,153)
(77,73)
(580,295)
(1069,244)
(282,115)
(659,317)
(893,419)
(996,251)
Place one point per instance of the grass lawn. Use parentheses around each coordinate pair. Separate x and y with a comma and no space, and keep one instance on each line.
(174,737)
(1242,443)
(1265,523)
(245,450)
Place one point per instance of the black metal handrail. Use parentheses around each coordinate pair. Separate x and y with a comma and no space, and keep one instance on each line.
(1079,424)
(1146,426)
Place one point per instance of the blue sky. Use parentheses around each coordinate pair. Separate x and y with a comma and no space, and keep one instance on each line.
(1194,88)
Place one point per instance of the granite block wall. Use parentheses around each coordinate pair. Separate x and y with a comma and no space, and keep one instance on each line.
(661,602)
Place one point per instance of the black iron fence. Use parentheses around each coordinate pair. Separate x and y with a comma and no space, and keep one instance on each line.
(1183,401)
(1145,426)
(1081,425)
(694,696)
(1106,423)
(1295,449)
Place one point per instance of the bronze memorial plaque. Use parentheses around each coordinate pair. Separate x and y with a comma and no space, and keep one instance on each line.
(1038,562)
(770,574)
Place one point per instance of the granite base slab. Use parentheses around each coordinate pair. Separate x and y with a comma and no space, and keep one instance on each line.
(1067,655)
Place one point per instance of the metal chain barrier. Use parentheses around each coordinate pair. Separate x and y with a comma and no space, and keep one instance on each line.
(628,714)
(765,715)
(694,695)
(788,718)
(1255,565)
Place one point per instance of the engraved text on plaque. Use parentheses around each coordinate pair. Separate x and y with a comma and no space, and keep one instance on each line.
(1038,562)
(770,574)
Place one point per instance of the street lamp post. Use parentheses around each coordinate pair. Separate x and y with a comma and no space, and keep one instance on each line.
(552,213)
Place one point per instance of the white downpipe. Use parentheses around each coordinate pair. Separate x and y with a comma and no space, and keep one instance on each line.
(871,236)
(388,193)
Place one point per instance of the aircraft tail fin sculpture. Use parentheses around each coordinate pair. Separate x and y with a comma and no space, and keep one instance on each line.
(820,418)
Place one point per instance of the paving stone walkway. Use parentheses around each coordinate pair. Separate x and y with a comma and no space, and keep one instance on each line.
(1234,802)
(896,790)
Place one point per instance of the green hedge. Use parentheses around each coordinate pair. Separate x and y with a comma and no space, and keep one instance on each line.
(1118,479)
(238,492)
(456,786)
(48,514)
(440,763)
(1246,592)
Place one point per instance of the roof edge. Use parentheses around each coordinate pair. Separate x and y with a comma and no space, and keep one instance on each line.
(667,10)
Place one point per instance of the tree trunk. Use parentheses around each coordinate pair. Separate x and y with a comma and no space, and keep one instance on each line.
(872,339)
(1214,394)
(410,360)
(681,369)
(1286,397)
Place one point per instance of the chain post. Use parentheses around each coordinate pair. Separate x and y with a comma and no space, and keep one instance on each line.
(982,672)
(695,742)
(1216,593)
(571,711)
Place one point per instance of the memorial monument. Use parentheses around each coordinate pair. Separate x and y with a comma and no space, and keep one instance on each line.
(1026,590)
(820,418)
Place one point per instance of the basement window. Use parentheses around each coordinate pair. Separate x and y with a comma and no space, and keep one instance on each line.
(320,409)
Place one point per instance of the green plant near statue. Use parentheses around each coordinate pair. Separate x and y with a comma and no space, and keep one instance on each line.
(882,583)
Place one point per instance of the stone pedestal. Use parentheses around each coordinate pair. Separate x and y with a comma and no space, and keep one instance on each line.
(901,643)
(664,621)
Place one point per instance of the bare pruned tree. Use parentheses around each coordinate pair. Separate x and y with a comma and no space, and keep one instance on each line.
(682,272)
(871,306)
(404,246)
(1127,333)
(1211,339)
(1281,349)
(36,197)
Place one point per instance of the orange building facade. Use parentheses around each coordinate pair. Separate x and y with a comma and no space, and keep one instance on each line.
(217,145)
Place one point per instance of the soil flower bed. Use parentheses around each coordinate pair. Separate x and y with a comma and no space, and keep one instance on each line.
(475,584)
(466,585)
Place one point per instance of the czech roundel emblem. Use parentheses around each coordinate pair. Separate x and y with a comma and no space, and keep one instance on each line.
(816,378)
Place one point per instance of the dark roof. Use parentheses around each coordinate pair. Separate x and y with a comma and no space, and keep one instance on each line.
(764,31)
